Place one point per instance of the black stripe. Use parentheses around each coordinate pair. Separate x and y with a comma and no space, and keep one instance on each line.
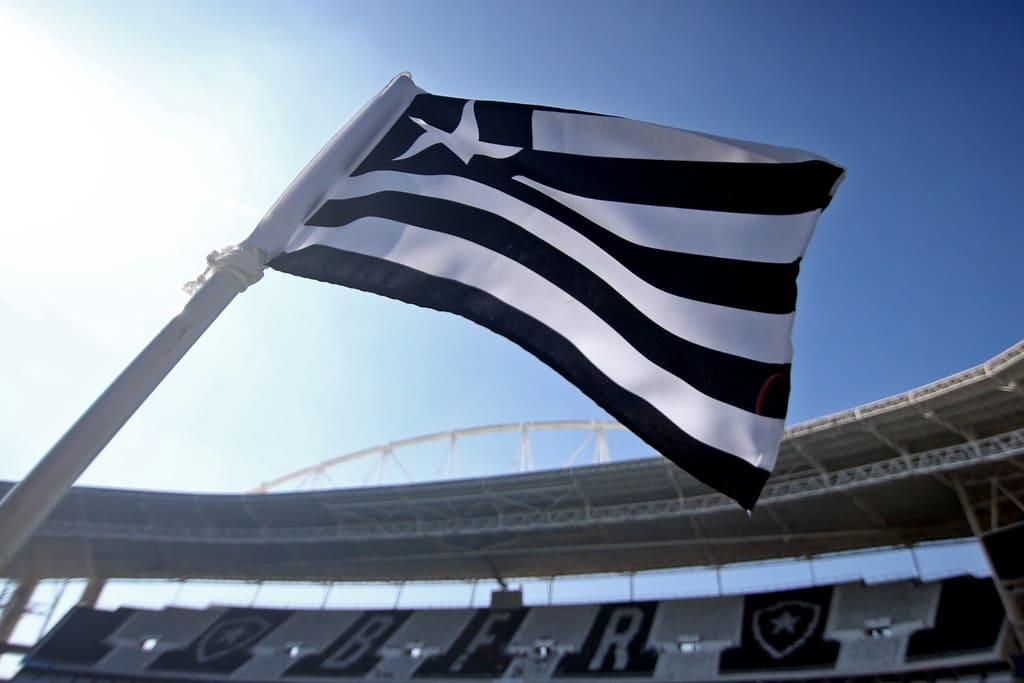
(723,471)
(749,285)
(735,380)
(778,189)
(768,189)
(756,188)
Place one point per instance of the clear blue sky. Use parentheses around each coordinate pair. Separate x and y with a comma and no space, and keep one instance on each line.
(139,136)
(135,137)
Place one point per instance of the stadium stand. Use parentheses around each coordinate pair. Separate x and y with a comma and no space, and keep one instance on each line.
(165,631)
(301,635)
(423,635)
(890,473)
(944,461)
(898,631)
(901,607)
(689,636)
(548,633)
(874,623)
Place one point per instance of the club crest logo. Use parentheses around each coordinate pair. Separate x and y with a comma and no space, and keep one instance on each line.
(784,627)
(230,636)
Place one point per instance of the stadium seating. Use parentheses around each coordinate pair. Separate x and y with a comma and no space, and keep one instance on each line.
(301,634)
(144,636)
(850,631)
(690,635)
(901,606)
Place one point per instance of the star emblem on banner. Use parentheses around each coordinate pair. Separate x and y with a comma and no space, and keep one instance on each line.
(232,635)
(784,627)
(464,142)
(784,622)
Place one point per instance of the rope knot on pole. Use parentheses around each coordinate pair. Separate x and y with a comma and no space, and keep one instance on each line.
(229,271)
(242,261)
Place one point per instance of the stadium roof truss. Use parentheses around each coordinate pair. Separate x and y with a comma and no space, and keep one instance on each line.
(883,474)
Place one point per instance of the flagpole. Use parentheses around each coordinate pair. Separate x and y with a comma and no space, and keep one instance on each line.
(229,272)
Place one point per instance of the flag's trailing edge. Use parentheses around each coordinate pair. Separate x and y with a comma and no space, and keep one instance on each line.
(652,267)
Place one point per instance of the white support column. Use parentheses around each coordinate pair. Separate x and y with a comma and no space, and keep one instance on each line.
(451,456)
(52,609)
(917,563)
(991,505)
(456,456)
(327,594)
(601,454)
(398,594)
(385,459)
(525,459)
(91,594)
(15,607)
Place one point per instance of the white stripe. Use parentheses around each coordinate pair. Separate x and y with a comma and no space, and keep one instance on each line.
(339,157)
(610,136)
(766,337)
(740,236)
(754,438)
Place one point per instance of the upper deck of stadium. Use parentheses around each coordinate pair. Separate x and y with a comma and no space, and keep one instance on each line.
(880,474)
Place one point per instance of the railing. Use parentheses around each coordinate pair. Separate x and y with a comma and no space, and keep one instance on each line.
(992,449)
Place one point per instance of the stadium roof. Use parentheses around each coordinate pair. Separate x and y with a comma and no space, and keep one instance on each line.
(877,475)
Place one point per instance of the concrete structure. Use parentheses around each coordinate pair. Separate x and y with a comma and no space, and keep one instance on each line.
(939,462)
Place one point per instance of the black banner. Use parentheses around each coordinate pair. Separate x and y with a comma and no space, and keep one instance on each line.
(781,632)
(1006,550)
(784,631)
(77,639)
(479,651)
(225,645)
(616,643)
(354,652)
(969,618)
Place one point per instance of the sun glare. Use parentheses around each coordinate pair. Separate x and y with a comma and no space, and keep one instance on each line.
(88,164)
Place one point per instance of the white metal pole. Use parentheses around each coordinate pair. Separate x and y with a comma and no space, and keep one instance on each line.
(230,271)
(26,505)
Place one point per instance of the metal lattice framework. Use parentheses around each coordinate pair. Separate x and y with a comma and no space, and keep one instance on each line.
(548,509)
(882,474)
(941,462)
(994,503)
(316,475)
(981,401)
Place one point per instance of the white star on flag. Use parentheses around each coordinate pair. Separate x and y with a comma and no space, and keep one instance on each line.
(464,141)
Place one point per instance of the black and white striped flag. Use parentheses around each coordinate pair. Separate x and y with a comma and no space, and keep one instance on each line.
(654,268)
